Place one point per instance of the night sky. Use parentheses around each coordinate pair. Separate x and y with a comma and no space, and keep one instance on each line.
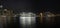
(32,5)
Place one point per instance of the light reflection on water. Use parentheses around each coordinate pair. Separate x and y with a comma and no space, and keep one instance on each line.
(27,20)
(51,22)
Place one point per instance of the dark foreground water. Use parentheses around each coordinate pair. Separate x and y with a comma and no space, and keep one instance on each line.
(46,24)
(52,24)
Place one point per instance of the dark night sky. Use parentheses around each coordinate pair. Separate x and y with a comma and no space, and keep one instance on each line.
(37,5)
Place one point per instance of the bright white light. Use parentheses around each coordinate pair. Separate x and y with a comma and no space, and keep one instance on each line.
(22,20)
(27,18)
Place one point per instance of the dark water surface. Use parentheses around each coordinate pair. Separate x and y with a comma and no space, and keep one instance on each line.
(51,24)
(46,24)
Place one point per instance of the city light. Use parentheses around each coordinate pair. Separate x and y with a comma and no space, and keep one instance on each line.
(27,19)
(29,14)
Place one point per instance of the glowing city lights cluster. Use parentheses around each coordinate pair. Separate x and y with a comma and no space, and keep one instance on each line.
(27,16)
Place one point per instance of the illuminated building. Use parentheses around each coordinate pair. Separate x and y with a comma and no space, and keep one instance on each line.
(46,17)
(41,17)
(6,17)
(27,20)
